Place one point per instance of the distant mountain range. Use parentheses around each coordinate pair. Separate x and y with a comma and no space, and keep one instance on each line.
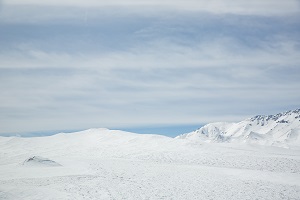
(282,129)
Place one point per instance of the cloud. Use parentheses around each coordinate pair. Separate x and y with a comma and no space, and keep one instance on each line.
(78,69)
(130,88)
(256,7)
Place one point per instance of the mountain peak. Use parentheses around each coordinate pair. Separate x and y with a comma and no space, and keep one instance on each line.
(279,118)
(279,130)
(276,116)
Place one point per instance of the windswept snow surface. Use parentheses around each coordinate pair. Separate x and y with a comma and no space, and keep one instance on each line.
(111,164)
(282,129)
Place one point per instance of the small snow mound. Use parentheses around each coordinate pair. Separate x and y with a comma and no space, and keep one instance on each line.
(40,161)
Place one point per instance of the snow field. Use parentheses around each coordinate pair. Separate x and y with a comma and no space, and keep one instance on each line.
(104,164)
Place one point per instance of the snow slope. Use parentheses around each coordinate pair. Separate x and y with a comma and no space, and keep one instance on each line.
(112,164)
(282,129)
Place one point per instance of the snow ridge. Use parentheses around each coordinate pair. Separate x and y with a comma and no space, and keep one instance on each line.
(282,129)
(261,119)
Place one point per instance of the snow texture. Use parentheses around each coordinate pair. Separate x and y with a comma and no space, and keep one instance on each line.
(112,164)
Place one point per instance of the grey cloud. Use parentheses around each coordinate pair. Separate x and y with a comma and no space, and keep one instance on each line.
(266,7)
(131,69)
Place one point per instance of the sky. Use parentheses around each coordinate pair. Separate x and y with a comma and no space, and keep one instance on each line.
(140,65)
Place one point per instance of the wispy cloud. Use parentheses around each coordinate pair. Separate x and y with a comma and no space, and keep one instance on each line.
(254,7)
(103,66)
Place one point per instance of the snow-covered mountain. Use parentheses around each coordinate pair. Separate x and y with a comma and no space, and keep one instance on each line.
(279,130)
(112,164)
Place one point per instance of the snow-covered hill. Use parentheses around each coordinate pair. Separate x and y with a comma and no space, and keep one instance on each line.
(282,129)
(111,164)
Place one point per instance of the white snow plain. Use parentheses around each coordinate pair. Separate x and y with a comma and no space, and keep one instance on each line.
(111,164)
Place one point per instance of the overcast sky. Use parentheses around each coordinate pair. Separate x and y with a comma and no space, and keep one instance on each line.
(70,64)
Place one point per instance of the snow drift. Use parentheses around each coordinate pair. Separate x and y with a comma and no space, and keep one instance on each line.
(40,161)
